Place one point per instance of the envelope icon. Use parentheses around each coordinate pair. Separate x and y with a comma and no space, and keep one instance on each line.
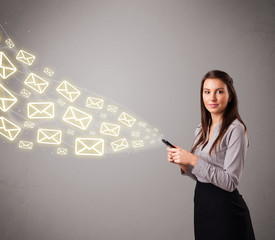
(110,129)
(127,119)
(112,108)
(36,83)
(25,57)
(29,124)
(7,100)
(9,43)
(6,66)
(89,146)
(68,91)
(77,118)
(8,129)
(96,103)
(25,145)
(40,110)
(135,133)
(119,144)
(62,151)
(25,93)
(142,124)
(61,102)
(70,132)
(49,136)
(137,143)
(49,72)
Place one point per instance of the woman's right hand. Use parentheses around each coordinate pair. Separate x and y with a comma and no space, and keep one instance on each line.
(182,166)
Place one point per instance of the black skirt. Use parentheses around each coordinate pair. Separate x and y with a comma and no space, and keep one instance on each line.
(220,215)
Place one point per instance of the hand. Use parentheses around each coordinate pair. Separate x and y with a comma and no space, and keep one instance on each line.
(181,156)
(170,159)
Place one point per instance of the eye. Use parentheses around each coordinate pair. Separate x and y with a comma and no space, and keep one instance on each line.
(220,91)
(206,92)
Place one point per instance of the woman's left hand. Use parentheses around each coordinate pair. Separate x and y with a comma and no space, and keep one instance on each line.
(182,156)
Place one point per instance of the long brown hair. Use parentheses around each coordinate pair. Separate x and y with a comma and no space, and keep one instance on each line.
(231,112)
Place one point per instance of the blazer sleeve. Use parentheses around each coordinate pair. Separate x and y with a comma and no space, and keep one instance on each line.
(227,177)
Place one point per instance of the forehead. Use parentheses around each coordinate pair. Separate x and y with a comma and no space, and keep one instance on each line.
(214,83)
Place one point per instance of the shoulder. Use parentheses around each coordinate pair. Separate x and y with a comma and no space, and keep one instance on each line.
(236,126)
(236,131)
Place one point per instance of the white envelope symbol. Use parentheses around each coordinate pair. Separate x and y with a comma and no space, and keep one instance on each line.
(137,143)
(25,93)
(8,129)
(6,66)
(25,57)
(49,136)
(96,103)
(62,151)
(119,144)
(126,119)
(89,146)
(25,145)
(36,83)
(77,118)
(68,91)
(7,100)
(49,72)
(39,110)
(112,108)
(110,129)
(10,43)
(29,124)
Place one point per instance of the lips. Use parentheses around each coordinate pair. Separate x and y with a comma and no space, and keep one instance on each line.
(213,105)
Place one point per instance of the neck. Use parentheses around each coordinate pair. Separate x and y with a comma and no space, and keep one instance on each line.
(216,119)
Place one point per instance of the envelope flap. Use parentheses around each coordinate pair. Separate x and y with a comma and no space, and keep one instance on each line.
(5,94)
(70,88)
(9,126)
(77,114)
(49,134)
(27,55)
(110,126)
(38,80)
(90,144)
(41,107)
(5,62)
(20,54)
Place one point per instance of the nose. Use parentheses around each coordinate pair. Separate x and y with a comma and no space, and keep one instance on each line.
(213,97)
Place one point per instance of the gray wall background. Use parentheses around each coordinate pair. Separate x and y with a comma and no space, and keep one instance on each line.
(149,56)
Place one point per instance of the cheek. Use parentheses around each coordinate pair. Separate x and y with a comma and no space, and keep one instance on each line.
(204,98)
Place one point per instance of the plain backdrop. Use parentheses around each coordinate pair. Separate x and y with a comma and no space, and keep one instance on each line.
(149,56)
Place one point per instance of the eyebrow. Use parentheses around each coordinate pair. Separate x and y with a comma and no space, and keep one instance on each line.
(216,89)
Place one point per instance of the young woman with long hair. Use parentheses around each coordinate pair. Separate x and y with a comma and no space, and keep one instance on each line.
(216,162)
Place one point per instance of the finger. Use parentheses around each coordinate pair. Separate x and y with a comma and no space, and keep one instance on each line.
(173,150)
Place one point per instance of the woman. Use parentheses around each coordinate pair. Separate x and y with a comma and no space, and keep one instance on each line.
(216,162)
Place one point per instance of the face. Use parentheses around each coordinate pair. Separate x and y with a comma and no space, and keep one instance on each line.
(215,96)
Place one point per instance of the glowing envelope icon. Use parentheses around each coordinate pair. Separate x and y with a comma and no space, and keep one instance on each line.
(49,136)
(25,57)
(127,119)
(8,129)
(6,66)
(77,118)
(36,83)
(7,100)
(89,146)
(119,144)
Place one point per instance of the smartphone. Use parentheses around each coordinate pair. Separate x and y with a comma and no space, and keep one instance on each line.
(168,144)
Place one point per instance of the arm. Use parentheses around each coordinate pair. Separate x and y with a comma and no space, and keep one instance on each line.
(228,177)
(188,172)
